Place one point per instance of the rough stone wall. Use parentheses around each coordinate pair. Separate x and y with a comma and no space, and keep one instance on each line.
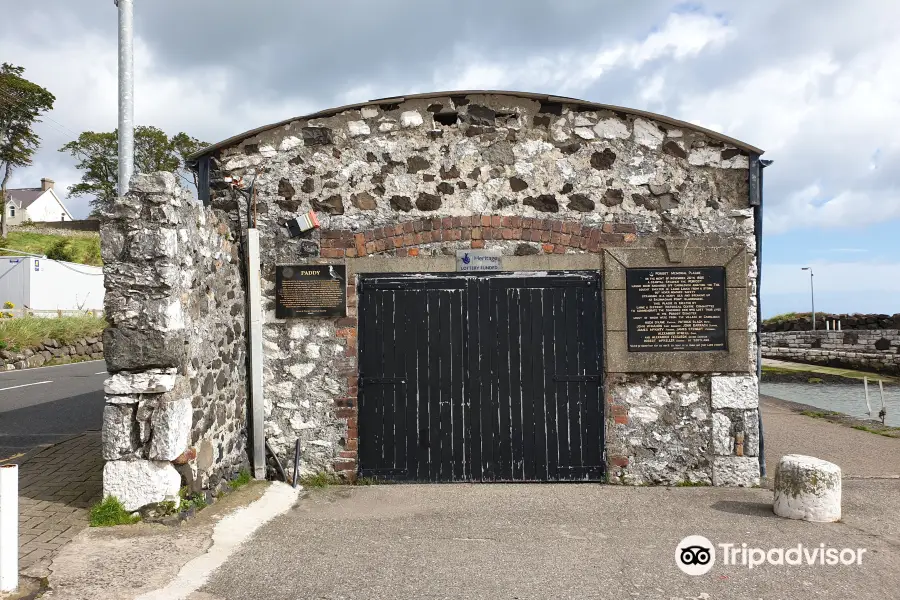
(51,352)
(427,176)
(868,350)
(854,321)
(175,346)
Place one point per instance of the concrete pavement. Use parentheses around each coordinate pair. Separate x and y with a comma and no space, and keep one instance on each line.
(553,541)
(859,453)
(577,541)
(57,487)
(50,419)
(49,404)
(524,541)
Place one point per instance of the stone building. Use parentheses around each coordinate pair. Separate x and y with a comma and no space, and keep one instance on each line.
(489,293)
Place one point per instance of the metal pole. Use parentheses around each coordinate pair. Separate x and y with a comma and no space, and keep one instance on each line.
(812,295)
(9,528)
(257,402)
(126,94)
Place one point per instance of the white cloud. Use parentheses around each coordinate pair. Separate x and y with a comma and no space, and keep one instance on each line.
(81,71)
(824,121)
(811,208)
(571,72)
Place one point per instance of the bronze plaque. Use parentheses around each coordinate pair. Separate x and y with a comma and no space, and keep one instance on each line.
(310,291)
(676,309)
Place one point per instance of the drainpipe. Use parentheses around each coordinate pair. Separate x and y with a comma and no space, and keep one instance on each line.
(756,201)
(257,403)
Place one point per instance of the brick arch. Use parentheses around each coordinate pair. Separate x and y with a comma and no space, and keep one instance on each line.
(555,235)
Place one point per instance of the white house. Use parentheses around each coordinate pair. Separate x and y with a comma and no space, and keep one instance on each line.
(35,204)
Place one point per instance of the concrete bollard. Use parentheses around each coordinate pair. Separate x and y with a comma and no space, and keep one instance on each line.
(9,528)
(807,488)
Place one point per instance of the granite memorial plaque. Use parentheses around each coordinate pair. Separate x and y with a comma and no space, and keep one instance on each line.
(676,309)
(310,291)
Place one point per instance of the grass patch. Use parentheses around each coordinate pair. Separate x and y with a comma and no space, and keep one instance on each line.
(777,370)
(84,250)
(367,481)
(819,414)
(26,332)
(191,500)
(110,512)
(777,319)
(241,480)
(816,380)
(319,480)
(886,432)
(689,483)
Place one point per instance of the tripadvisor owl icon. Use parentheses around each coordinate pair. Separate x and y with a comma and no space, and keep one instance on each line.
(695,555)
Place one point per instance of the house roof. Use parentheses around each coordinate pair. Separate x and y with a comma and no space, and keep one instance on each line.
(539,97)
(25,197)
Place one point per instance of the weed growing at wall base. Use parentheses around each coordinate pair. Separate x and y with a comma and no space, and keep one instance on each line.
(110,512)
(241,480)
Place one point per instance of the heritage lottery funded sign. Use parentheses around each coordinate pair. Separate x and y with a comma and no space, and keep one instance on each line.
(310,291)
(677,309)
(479,260)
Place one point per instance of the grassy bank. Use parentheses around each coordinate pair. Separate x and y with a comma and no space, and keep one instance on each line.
(26,332)
(83,250)
(795,372)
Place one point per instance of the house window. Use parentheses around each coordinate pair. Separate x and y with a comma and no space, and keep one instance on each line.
(12,210)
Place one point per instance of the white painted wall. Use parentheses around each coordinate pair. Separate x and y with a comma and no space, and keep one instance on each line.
(18,218)
(65,286)
(43,284)
(14,280)
(48,207)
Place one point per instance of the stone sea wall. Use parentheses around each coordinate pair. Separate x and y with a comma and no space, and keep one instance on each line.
(51,352)
(423,177)
(853,321)
(866,350)
(175,346)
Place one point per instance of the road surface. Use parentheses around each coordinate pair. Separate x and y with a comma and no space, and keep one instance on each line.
(49,404)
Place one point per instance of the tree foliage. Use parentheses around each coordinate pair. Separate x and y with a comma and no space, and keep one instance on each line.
(21,105)
(98,156)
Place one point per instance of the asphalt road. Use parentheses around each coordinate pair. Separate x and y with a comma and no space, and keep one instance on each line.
(49,404)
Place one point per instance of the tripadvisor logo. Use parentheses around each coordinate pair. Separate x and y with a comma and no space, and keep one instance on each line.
(696,555)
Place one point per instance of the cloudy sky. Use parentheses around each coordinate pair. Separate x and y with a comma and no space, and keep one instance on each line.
(816,83)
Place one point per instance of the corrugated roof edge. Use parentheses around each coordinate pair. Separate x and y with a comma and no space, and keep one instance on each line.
(532,96)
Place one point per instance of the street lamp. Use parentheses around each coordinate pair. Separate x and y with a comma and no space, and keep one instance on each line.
(812,294)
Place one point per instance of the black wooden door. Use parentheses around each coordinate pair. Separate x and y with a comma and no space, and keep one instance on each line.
(480,378)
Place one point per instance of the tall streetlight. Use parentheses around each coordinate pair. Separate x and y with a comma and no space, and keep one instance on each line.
(126,93)
(812,294)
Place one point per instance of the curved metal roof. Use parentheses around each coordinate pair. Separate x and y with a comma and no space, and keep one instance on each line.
(538,97)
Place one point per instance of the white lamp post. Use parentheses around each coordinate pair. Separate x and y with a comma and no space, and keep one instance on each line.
(812,295)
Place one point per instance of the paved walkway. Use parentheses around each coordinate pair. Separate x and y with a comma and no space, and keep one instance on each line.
(858,453)
(57,486)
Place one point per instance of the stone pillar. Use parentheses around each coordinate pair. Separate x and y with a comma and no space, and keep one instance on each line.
(807,488)
(735,417)
(174,344)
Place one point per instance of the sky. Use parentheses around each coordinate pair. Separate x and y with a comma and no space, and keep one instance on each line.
(816,83)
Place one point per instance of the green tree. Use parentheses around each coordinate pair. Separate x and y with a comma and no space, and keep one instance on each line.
(21,104)
(98,155)
(184,146)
